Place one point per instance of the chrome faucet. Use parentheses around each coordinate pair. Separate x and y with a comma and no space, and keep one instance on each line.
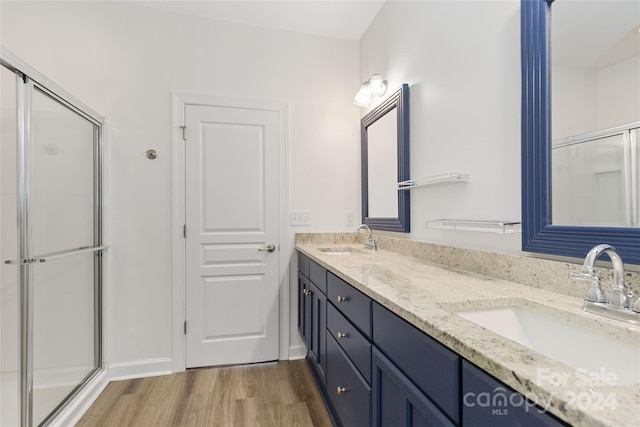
(596,301)
(371,242)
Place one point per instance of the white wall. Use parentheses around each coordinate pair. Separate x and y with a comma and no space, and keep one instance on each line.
(124,61)
(618,92)
(574,92)
(585,99)
(462,61)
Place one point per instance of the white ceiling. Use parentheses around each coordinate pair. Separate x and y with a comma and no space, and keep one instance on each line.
(594,34)
(345,19)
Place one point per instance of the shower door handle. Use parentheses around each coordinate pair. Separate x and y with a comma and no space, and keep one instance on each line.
(25,261)
(55,255)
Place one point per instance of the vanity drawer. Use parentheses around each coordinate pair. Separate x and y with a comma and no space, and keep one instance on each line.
(347,390)
(431,366)
(355,305)
(303,264)
(318,275)
(354,344)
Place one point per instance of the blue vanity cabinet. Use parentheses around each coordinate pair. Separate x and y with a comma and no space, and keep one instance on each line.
(488,402)
(317,330)
(312,313)
(376,369)
(303,264)
(348,391)
(397,401)
(348,352)
(430,366)
(318,276)
(303,289)
(355,305)
(352,342)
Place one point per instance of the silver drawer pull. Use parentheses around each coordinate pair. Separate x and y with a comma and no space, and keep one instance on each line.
(342,299)
(341,390)
(342,335)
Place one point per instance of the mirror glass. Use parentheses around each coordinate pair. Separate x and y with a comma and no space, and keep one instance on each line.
(382,164)
(595,113)
(385,162)
(579,126)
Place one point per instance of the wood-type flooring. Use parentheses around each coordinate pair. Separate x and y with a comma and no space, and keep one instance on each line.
(270,394)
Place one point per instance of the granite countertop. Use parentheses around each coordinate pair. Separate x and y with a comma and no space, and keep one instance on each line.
(425,294)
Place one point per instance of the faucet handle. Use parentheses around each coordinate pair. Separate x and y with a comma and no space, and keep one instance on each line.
(636,305)
(619,298)
(595,292)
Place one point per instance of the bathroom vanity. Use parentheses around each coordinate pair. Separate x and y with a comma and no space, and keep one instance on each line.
(388,346)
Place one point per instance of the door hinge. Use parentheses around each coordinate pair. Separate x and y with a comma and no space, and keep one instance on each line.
(185,327)
(184,132)
(184,231)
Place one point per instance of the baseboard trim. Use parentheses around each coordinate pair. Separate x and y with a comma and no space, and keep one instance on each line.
(140,369)
(297,352)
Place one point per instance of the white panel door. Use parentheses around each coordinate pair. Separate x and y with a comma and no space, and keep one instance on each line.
(232,206)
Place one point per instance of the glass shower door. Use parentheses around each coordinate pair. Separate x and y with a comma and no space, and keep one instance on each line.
(63,221)
(9,274)
(50,246)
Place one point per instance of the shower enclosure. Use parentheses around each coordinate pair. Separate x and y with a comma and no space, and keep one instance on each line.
(50,245)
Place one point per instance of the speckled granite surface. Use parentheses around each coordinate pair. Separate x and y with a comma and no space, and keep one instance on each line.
(425,292)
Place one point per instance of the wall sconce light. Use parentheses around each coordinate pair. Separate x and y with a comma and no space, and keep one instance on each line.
(375,85)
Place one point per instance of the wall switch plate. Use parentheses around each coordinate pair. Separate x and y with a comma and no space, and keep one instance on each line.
(348,218)
(300,218)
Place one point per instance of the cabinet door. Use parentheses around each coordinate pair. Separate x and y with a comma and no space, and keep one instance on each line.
(303,289)
(432,367)
(317,331)
(397,402)
(304,264)
(488,402)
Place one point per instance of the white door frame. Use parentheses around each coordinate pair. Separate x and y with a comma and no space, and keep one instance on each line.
(178,102)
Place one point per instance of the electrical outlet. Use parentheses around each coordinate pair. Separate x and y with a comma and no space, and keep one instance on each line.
(348,218)
(300,218)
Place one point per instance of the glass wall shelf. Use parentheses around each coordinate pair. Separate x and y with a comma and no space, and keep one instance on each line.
(483,226)
(449,177)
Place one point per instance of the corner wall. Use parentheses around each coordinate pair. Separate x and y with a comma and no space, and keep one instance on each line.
(124,61)
(462,62)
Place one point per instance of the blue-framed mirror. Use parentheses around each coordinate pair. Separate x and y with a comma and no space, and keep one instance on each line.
(580,183)
(385,162)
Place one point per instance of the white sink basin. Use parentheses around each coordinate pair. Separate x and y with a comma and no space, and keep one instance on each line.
(575,346)
(337,251)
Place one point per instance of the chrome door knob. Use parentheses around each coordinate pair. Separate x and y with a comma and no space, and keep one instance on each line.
(341,299)
(270,248)
(342,335)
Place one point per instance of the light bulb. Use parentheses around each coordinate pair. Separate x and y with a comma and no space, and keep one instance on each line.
(377,86)
(363,97)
